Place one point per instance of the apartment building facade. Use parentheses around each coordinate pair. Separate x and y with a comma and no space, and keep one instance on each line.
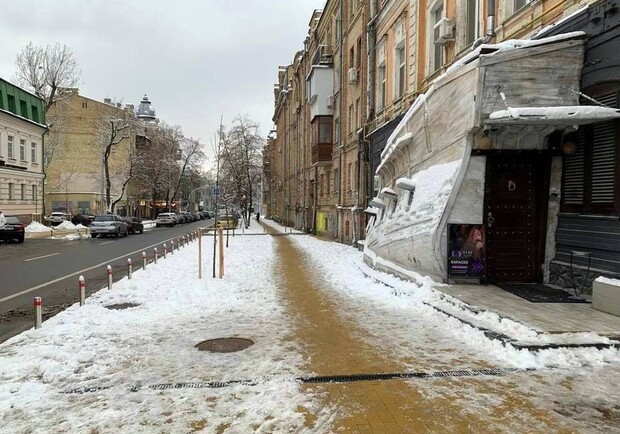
(22,129)
(407,46)
(75,181)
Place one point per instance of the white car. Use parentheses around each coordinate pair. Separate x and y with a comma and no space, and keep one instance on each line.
(57,218)
(165,219)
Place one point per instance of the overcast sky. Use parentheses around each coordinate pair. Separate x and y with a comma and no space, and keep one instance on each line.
(196,59)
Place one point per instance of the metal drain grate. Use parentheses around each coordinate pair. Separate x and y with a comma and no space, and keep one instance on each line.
(319,379)
(224,345)
(121,306)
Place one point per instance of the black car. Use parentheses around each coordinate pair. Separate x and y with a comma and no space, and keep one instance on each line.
(13,230)
(82,219)
(134,224)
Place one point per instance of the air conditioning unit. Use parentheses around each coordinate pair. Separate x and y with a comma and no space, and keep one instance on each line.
(330,101)
(445,30)
(352,75)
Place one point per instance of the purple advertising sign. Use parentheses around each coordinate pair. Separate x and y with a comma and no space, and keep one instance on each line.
(466,250)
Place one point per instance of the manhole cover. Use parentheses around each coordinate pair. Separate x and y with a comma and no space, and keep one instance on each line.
(121,306)
(224,345)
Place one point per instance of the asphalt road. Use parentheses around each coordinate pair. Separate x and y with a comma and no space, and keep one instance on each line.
(50,269)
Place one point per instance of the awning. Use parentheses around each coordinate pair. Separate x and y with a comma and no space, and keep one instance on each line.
(566,115)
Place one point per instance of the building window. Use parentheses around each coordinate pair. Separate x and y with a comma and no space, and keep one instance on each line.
(23,191)
(357,114)
(518,4)
(22,150)
(336,180)
(436,50)
(33,152)
(351,127)
(10,150)
(590,172)
(473,23)
(381,78)
(34,192)
(399,70)
(11,192)
(359,53)
(328,182)
(35,113)
(23,108)
(11,101)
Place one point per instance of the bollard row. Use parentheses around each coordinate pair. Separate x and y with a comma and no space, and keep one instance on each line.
(181,242)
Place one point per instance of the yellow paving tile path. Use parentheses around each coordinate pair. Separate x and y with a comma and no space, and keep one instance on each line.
(333,346)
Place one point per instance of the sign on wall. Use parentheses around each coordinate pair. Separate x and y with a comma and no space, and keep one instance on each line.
(466,251)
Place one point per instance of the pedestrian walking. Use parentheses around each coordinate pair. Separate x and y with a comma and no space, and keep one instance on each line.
(2,220)
(257,216)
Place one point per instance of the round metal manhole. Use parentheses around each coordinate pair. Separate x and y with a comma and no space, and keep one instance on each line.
(224,345)
(121,306)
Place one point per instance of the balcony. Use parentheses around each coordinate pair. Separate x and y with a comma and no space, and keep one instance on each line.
(322,139)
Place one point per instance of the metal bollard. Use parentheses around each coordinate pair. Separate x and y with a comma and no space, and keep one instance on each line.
(38,317)
(144,260)
(129,269)
(165,250)
(155,255)
(172,247)
(109,277)
(82,288)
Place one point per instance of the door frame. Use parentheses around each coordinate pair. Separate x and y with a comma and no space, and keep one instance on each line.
(542,182)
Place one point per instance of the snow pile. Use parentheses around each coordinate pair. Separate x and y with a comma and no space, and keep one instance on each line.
(66,224)
(37,227)
(73,237)
(608,281)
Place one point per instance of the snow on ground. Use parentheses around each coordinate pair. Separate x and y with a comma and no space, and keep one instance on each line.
(153,343)
(37,227)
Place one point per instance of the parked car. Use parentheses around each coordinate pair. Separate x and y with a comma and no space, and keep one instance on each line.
(108,224)
(165,219)
(13,230)
(82,219)
(134,224)
(56,218)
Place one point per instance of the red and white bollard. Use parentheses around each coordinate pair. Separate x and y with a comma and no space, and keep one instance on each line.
(165,250)
(82,288)
(109,277)
(38,317)
(129,269)
(155,255)
(144,261)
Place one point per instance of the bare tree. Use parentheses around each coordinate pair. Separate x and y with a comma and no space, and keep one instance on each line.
(114,132)
(241,167)
(192,156)
(47,70)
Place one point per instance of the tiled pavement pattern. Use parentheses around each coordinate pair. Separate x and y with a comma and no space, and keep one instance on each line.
(333,347)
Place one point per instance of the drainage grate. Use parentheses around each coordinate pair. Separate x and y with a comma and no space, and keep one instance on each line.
(319,379)
(121,306)
(224,345)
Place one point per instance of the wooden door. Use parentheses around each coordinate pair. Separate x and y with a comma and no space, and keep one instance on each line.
(515,184)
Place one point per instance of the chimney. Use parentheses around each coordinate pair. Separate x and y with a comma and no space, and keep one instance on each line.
(107,101)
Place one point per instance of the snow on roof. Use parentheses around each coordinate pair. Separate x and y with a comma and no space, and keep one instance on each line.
(371,210)
(405,183)
(567,115)
(387,191)
(483,50)
(376,202)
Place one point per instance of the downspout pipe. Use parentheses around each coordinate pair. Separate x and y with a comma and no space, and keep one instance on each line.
(490,25)
(370,86)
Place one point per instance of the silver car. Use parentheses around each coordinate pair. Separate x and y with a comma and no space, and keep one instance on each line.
(108,224)
(56,218)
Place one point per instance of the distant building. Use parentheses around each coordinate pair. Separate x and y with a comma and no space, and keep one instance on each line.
(22,125)
(74,181)
(145,111)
